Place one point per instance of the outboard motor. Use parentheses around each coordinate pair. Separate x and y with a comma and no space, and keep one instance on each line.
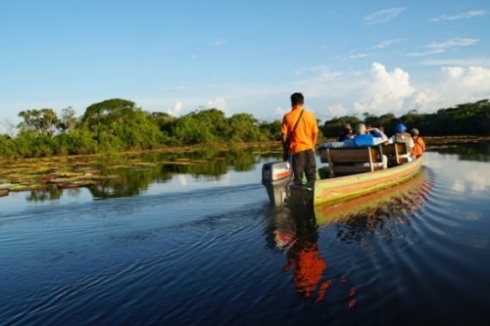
(275,177)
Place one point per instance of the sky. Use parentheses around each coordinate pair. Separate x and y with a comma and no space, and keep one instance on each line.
(346,57)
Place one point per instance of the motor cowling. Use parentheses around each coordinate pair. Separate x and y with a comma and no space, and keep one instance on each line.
(275,178)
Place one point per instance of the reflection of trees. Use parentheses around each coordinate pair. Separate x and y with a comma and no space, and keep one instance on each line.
(51,193)
(479,152)
(211,163)
(160,167)
(129,183)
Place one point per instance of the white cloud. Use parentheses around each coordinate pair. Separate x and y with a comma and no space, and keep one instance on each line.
(461,81)
(452,43)
(218,103)
(280,112)
(337,110)
(324,74)
(462,15)
(175,111)
(385,44)
(329,93)
(423,101)
(357,55)
(387,91)
(382,16)
(454,85)
(440,47)
(465,62)
(220,42)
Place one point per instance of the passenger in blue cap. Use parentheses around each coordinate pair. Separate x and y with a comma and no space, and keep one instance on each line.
(402,136)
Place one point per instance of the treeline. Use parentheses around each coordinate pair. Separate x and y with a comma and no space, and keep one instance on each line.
(119,125)
(464,119)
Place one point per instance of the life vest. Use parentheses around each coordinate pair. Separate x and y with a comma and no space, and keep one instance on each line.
(364,140)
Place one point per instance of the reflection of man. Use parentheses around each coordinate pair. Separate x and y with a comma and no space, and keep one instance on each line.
(308,266)
(299,238)
(299,135)
(303,255)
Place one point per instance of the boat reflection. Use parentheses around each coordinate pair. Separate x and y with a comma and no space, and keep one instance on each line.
(294,230)
(374,210)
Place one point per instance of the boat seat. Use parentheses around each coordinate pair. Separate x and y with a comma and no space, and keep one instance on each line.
(397,153)
(353,160)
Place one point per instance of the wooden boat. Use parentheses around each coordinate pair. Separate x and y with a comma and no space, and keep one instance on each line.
(350,173)
(402,197)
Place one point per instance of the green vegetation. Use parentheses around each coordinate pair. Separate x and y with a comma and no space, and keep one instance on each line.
(114,175)
(464,119)
(117,125)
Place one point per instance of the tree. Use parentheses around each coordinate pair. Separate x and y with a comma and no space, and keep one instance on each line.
(68,119)
(118,123)
(242,127)
(101,116)
(10,128)
(43,121)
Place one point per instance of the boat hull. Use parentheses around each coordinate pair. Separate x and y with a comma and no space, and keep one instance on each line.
(335,190)
(415,188)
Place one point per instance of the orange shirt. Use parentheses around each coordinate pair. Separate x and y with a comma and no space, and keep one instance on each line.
(305,135)
(419,146)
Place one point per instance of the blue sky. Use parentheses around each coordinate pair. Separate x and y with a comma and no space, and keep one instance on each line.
(346,57)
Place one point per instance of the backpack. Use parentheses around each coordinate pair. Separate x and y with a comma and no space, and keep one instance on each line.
(403,137)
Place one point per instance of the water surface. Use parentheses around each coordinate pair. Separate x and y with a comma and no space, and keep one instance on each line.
(202,246)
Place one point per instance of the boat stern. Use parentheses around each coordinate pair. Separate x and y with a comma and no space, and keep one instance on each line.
(275,178)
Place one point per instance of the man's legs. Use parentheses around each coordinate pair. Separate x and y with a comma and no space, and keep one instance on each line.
(310,167)
(304,163)
(299,162)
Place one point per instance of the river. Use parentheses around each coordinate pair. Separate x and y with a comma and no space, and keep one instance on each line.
(199,244)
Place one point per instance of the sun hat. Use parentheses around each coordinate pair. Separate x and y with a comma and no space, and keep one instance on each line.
(414,132)
(400,127)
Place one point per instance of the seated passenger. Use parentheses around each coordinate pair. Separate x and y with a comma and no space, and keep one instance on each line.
(400,137)
(419,144)
(363,137)
(346,132)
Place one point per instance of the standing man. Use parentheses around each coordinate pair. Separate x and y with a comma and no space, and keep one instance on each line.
(299,132)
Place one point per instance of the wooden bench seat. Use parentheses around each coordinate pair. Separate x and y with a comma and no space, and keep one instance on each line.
(396,153)
(349,160)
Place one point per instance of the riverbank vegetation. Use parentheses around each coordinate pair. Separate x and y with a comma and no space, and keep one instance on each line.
(118,125)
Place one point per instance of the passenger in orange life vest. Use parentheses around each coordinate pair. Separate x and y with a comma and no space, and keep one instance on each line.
(401,136)
(419,144)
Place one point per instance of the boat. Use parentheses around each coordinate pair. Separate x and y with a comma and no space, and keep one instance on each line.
(403,197)
(348,173)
